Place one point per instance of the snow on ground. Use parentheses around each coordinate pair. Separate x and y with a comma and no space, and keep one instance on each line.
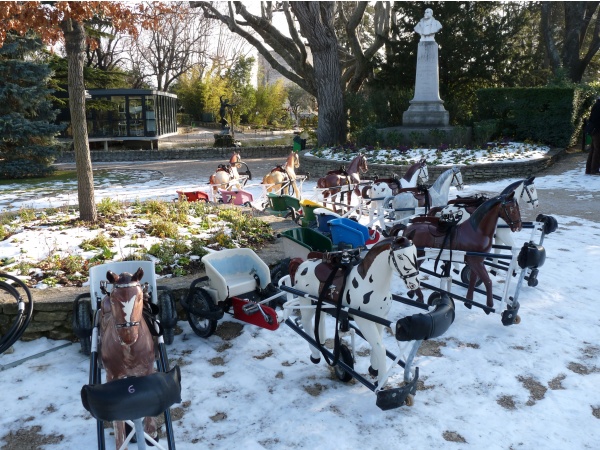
(532,385)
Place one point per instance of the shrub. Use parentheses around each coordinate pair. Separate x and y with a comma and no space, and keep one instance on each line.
(162,228)
(484,131)
(108,207)
(552,115)
(100,241)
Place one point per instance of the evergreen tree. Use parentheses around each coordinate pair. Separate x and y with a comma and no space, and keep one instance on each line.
(27,127)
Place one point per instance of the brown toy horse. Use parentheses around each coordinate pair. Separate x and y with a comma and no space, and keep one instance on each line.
(474,235)
(336,179)
(127,346)
(280,177)
(226,174)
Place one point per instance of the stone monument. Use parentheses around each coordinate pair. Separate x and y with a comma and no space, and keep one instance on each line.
(427,108)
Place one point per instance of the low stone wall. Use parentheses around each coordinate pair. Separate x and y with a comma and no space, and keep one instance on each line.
(178,154)
(53,316)
(318,167)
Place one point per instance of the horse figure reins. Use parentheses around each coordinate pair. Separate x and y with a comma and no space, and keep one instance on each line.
(414,273)
(513,224)
(526,190)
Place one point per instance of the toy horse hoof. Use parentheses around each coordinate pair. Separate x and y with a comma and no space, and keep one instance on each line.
(410,294)
(315,360)
(468,305)
(373,372)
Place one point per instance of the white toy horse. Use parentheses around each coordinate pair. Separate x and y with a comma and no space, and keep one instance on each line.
(227,175)
(381,189)
(405,203)
(366,287)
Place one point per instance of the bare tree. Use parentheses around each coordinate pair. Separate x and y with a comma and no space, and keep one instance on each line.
(327,69)
(571,33)
(103,47)
(176,43)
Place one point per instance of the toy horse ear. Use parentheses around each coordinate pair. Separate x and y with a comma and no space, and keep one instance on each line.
(510,196)
(137,276)
(112,277)
(529,180)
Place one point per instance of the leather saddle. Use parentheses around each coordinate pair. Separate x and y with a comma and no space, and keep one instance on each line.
(279,168)
(474,201)
(224,168)
(333,262)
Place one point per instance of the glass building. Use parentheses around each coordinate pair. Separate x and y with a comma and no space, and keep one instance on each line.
(132,114)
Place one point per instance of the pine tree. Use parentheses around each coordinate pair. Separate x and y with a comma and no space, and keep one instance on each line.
(27,147)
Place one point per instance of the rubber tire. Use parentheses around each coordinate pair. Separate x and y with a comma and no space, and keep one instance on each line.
(346,358)
(465,276)
(166,313)
(84,319)
(280,270)
(202,327)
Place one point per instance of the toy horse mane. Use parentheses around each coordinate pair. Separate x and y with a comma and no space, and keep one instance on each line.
(377,249)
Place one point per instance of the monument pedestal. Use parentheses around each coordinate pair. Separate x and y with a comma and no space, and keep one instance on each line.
(426,108)
(225,139)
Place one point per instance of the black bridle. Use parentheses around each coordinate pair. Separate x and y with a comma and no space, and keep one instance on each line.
(513,224)
(404,277)
(526,190)
(459,183)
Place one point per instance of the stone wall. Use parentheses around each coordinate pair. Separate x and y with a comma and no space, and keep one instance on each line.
(53,316)
(318,167)
(178,154)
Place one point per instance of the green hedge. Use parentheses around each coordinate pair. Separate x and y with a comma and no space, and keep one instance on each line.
(553,116)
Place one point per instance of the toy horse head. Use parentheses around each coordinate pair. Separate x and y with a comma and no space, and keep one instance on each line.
(403,255)
(126,304)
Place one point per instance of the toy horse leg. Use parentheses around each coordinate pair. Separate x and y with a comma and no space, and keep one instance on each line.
(150,427)
(119,428)
(306,317)
(372,333)
(295,186)
(479,271)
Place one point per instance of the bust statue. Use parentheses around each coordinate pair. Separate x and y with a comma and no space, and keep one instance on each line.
(428,26)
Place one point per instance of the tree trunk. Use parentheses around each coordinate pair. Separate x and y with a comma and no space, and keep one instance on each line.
(316,22)
(75,48)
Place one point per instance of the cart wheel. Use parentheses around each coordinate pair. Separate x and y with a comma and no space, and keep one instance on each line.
(280,270)
(346,357)
(410,400)
(292,213)
(248,205)
(202,301)
(167,315)
(84,320)
(465,276)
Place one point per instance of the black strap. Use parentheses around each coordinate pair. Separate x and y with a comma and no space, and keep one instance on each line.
(149,312)
(447,237)
(336,342)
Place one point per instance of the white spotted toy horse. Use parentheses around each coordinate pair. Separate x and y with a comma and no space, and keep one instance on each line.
(365,287)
